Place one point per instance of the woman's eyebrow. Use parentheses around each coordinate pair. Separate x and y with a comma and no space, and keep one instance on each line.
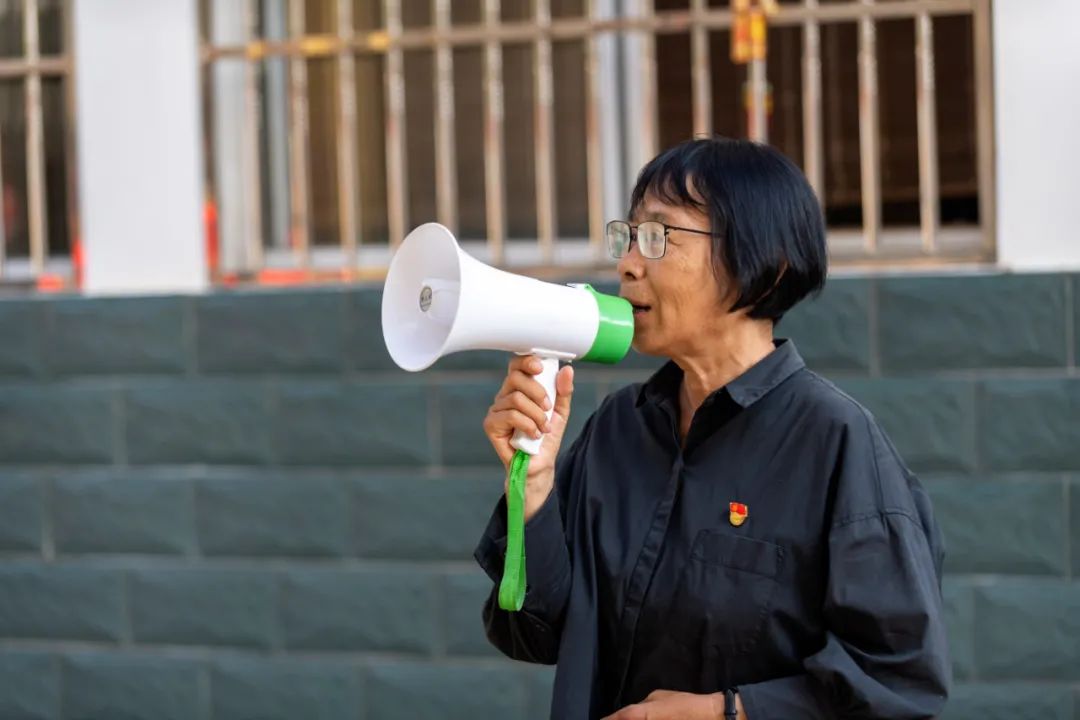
(645,214)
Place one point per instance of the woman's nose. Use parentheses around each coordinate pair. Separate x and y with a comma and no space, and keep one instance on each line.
(632,264)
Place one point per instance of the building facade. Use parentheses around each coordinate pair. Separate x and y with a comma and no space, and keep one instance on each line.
(220,499)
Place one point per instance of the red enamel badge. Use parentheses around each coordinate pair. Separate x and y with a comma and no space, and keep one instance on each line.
(737,513)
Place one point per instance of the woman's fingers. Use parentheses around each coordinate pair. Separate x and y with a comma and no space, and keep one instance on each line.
(518,401)
(529,364)
(525,384)
(522,393)
(506,422)
(525,418)
(522,405)
(519,376)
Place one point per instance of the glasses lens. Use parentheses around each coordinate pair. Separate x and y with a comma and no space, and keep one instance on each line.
(618,238)
(650,237)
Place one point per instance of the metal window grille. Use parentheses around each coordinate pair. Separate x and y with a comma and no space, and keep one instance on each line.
(641,29)
(36,143)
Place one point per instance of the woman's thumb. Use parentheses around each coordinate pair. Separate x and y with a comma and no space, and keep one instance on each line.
(564,391)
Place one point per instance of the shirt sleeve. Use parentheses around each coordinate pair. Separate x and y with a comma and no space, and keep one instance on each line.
(885,655)
(532,634)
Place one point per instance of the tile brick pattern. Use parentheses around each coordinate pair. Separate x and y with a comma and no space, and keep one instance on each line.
(236,506)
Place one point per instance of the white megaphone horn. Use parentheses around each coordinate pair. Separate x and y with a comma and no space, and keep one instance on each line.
(438,300)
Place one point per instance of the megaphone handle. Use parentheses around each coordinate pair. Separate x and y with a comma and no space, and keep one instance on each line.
(521,441)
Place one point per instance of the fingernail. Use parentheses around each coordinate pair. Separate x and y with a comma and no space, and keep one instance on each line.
(547,403)
(538,435)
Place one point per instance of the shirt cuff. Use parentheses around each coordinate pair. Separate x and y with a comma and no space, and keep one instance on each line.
(786,698)
(547,560)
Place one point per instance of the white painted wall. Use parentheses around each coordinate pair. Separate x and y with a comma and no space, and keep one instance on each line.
(140,155)
(1037,115)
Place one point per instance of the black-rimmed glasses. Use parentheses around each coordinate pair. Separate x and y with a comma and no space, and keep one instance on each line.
(651,237)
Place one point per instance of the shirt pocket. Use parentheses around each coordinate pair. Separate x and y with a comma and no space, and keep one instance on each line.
(726,592)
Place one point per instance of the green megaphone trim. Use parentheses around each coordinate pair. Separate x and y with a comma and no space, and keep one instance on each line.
(615,332)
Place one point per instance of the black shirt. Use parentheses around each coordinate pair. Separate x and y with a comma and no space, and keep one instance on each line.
(823,602)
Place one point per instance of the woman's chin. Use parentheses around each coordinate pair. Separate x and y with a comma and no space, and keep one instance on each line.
(643,345)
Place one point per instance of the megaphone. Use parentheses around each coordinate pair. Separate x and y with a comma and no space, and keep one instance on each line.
(439,300)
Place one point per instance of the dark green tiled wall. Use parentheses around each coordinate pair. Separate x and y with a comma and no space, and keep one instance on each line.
(236,506)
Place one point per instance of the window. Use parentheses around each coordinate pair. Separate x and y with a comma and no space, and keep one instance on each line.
(36,136)
(335,126)
(901,178)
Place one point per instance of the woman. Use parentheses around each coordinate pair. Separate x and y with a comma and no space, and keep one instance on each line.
(734,537)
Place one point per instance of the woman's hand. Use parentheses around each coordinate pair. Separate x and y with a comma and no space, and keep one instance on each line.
(520,405)
(669,705)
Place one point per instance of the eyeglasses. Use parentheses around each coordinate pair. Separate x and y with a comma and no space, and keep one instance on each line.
(651,237)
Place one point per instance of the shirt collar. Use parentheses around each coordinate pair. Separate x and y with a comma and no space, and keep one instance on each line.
(746,389)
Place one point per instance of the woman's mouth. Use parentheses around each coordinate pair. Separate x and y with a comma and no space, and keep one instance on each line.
(640,309)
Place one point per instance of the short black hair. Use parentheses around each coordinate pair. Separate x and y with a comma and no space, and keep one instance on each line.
(767,225)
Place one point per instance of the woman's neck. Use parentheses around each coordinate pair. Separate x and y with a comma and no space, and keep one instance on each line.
(727,355)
